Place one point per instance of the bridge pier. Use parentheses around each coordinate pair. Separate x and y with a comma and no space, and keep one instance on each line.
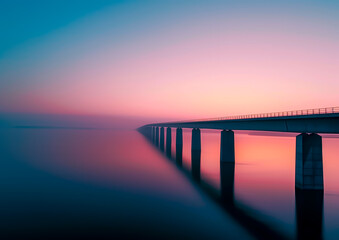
(149,132)
(227,146)
(153,134)
(178,146)
(169,142)
(196,153)
(162,139)
(309,162)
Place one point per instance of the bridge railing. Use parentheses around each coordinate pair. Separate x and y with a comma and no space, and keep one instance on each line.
(304,112)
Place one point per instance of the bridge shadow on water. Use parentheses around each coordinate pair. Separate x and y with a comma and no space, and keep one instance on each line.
(309,203)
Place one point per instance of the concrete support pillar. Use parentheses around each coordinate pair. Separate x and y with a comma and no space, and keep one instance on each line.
(153,134)
(309,162)
(196,153)
(156,136)
(148,132)
(162,138)
(227,146)
(178,146)
(168,142)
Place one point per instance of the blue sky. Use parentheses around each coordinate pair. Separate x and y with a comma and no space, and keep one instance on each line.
(22,21)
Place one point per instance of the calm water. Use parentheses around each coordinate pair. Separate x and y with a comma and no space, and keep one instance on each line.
(67,184)
(64,183)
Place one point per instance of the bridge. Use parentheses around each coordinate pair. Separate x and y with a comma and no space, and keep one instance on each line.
(308,123)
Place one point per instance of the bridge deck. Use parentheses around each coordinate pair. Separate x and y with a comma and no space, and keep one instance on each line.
(325,120)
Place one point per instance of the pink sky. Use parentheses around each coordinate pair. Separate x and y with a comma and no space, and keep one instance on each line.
(186,67)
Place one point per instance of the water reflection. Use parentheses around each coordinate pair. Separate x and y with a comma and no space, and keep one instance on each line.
(178,148)
(196,156)
(169,142)
(271,187)
(309,213)
(227,182)
(98,184)
(226,195)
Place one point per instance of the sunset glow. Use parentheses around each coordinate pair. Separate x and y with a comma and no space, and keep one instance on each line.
(177,60)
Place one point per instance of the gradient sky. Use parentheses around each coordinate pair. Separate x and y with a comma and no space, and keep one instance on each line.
(169,59)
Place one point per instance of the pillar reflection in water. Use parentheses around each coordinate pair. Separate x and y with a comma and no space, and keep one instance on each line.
(178,146)
(227,182)
(309,213)
(196,153)
(169,142)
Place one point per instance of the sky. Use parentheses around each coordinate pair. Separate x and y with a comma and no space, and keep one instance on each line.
(167,59)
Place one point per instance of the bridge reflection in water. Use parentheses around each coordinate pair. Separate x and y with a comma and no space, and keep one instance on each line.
(309,203)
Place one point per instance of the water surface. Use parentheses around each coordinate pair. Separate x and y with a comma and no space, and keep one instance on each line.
(85,183)
(68,183)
